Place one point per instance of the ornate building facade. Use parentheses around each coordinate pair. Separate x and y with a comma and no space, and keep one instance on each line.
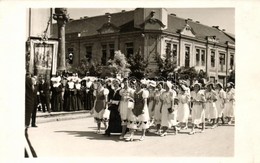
(153,32)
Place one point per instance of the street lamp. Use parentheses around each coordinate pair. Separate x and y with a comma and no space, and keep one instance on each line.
(79,35)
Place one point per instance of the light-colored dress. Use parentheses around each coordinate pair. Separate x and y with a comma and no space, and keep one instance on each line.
(100,104)
(138,117)
(167,98)
(198,108)
(123,105)
(220,103)
(211,109)
(183,107)
(157,106)
(151,104)
(230,104)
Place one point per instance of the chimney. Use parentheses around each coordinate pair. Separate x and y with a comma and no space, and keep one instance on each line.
(223,30)
(217,27)
(189,19)
(198,22)
(109,18)
(123,11)
(152,13)
(85,17)
(107,13)
(172,14)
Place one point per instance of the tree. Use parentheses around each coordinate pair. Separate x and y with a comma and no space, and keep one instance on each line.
(138,65)
(119,64)
(191,74)
(166,65)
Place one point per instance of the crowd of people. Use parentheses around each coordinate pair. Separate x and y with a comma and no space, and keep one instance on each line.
(129,105)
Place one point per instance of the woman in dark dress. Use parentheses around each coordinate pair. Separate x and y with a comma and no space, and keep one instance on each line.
(78,95)
(89,97)
(56,100)
(70,97)
(114,123)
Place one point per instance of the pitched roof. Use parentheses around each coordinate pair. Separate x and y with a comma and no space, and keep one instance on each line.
(125,22)
(201,31)
(89,26)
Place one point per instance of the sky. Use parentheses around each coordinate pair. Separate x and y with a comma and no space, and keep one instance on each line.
(222,17)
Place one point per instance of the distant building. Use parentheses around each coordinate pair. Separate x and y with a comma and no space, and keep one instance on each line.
(153,32)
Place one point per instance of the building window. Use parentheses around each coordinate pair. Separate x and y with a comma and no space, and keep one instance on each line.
(129,49)
(197,57)
(187,56)
(174,50)
(203,57)
(88,53)
(231,61)
(168,50)
(222,59)
(112,51)
(104,55)
(200,57)
(212,58)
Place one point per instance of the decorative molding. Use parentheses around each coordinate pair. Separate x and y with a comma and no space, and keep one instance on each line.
(108,28)
(188,31)
(152,21)
(213,39)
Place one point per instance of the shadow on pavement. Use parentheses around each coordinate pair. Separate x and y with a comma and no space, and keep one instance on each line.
(91,135)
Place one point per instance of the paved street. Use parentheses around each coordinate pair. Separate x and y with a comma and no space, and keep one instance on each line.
(76,138)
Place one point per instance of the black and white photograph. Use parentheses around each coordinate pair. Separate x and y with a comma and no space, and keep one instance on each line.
(142,81)
(168,81)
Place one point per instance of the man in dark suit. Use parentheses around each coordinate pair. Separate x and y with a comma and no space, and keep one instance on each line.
(34,95)
(29,106)
(44,89)
(29,100)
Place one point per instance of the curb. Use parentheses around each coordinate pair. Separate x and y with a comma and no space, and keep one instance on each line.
(61,116)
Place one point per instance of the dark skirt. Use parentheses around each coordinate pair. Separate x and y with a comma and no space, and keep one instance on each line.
(70,101)
(114,123)
(56,103)
(89,101)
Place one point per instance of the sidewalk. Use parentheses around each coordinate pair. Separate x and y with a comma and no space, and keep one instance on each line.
(60,116)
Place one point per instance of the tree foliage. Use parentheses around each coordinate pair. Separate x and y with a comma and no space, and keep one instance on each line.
(118,64)
(138,65)
(191,74)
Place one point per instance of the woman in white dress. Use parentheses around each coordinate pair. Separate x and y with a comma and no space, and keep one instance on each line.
(157,107)
(100,105)
(183,106)
(230,102)
(139,115)
(198,109)
(220,103)
(211,98)
(167,107)
(126,94)
(151,102)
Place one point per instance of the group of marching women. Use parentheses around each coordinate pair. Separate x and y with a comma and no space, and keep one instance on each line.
(126,106)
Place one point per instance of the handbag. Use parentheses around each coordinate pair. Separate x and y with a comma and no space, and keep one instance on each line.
(130,104)
(170,110)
